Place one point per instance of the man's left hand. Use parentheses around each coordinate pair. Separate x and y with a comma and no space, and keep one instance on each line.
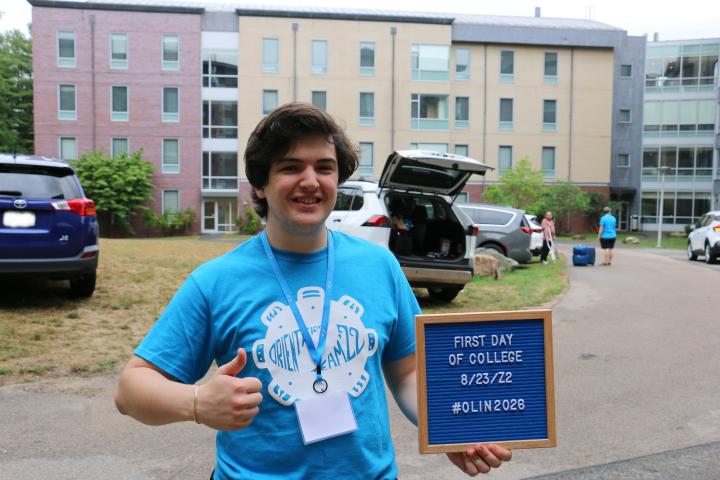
(480,458)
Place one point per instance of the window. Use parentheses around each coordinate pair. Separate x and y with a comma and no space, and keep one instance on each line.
(366,158)
(507,66)
(220,171)
(623,160)
(506,114)
(462,64)
(119,104)
(625,116)
(319,57)
(170,52)
(319,99)
(170,201)
(119,146)
(432,147)
(118,50)
(462,150)
(67,108)
(551,68)
(349,199)
(269,101)
(367,108)
(549,115)
(220,68)
(66,49)
(504,158)
(428,112)
(462,112)
(683,161)
(171,104)
(681,67)
(68,148)
(548,161)
(679,118)
(679,207)
(170,155)
(430,62)
(462,197)
(219,119)
(367,59)
(489,216)
(626,71)
(270,55)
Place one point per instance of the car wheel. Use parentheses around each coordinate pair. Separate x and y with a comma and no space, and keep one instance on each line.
(690,253)
(494,246)
(708,258)
(446,294)
(83,286)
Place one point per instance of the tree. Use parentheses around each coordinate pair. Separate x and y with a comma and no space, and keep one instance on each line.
(119,186)
(519,187)
(16,92)
(564,199)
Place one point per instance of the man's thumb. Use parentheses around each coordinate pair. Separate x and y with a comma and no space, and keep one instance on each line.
(234,366)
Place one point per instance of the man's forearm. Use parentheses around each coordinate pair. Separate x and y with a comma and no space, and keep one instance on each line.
(151,398)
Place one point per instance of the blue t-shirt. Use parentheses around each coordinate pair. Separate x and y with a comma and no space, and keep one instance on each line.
(235,301)
(609,225)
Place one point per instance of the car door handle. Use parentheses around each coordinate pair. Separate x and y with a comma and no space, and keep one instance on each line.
(337,220)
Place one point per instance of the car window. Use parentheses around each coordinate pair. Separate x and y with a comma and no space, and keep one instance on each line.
(704,221)
(37,182)
(344,199)
(487,216)
(717,218)
(357,200)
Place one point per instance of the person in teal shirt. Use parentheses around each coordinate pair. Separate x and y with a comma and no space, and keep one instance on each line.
(257,312)
(607,235)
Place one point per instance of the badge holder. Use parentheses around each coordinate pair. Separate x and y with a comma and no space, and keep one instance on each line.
(325,416)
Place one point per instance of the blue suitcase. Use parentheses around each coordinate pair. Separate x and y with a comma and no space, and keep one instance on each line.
(583,255)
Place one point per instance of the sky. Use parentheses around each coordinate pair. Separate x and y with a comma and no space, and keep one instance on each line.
(687,19)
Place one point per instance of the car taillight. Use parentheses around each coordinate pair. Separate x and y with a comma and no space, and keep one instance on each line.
(377,221)
(83,207)
(526,230)
(716,228)
(473,230)
(88,254)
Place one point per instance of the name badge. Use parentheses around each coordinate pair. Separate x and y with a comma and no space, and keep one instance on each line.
(325,416)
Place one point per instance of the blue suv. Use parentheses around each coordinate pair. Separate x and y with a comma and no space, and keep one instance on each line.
(48,229)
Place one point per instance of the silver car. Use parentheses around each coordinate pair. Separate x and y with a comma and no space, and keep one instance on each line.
(503,229)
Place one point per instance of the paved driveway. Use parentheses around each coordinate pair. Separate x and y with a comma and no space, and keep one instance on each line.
(637,382)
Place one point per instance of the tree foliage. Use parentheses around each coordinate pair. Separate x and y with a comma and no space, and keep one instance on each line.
(250,222)
(519,187)
(119,186)
(16,93)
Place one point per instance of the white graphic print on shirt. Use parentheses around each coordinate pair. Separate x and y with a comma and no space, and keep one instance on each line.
(284,353)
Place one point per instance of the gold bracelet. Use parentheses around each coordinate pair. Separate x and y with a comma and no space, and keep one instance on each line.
(195,406)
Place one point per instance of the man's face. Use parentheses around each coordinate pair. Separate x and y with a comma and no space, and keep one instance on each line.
(302,187)
(548,215)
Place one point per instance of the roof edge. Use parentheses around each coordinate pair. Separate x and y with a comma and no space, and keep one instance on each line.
(366,17)
(115,6)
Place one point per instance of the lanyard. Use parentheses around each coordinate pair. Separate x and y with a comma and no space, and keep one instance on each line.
(316,351)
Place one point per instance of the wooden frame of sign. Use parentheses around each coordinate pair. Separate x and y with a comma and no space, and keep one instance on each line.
(458,321)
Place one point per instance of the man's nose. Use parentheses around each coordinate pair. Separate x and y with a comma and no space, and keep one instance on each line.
(309,179)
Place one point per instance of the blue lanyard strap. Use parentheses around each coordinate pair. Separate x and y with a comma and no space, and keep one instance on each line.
(315,351)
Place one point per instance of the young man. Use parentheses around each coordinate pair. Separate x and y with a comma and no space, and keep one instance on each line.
(607,235)
(303,322)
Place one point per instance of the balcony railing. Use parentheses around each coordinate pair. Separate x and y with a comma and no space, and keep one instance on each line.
(219,183)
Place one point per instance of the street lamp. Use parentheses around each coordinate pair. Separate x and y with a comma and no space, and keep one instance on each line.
(663,170)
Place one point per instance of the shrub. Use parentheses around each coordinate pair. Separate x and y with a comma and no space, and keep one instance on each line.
(250,222)
(171,223)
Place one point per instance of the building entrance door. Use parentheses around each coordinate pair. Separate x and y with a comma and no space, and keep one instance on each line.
(623,216)
(219,215)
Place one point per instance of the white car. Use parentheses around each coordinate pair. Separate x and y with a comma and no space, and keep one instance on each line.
(704,239)
(411,211)
(536,238)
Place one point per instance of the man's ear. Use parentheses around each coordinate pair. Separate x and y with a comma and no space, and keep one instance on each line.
(260,192)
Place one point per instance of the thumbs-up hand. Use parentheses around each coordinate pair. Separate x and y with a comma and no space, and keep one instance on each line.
(227,402)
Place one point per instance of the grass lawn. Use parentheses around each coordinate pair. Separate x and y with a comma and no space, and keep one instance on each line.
(647,240)
(45,332)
